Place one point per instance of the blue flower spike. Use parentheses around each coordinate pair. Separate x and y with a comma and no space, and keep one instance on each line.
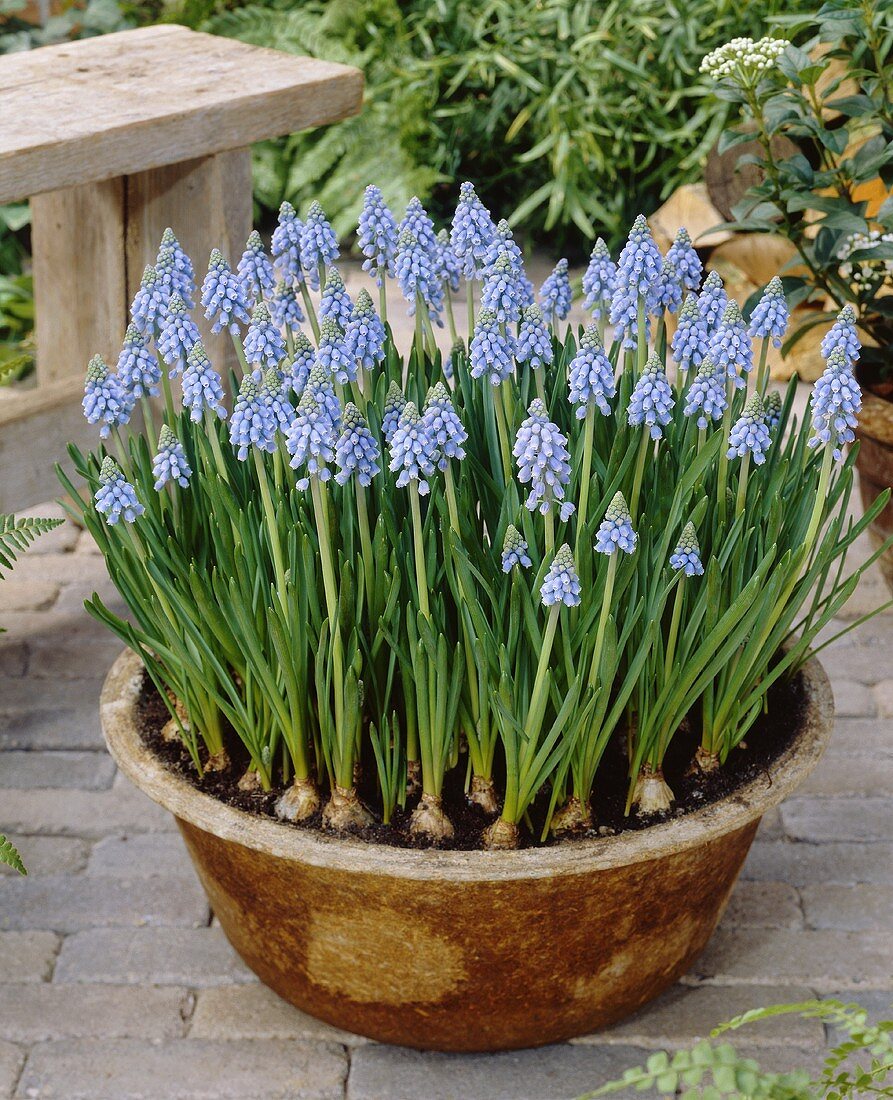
(472,232)
(202,387)
(105,401)
(561,584)
(616,532)
(319,245)
(356,452)
(302,363)
(224,296)
(500,293)
(712,301)
(334,354)
(116,498)
(179,333)
(264,346)
(413,449)
(150,302)
(276,393)
(651,402)
(311,440)
(843,336)
(534,345)
(255,269)
(492,351)
(687,555)
(450,264)
(170,464)
(319,385)
(599,281)
(835,402)
(285,309)
(377,235)
(750,433)
(542,456)
(504,241)
(252,423)
(669,289)
(555,294)
(183,272)
(335,302)
(138,370)
(685,260)
(769,320)
(394,404)
(417,275)
(730,345)
(637,280)
(691,339)
(285,245)
(365,334)
(444,426)
(772,404)
(590,375)
(514,550)
(706,396)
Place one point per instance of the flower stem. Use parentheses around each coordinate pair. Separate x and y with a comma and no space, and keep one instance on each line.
(469,299)
(272,526)
(502,428)
(311,312)
(639,473)
(673,636)
(420,572)
(451,320)
(383,299)
(820,497)
(538,696)
(607,599)
(741,498)
(723,472)
(585,478)
(762,369)
(365,540)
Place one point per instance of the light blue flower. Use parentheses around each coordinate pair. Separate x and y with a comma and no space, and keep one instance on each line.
(319,386)
(377,235)
(202,388)
(442,423)
(615,531)
(492,349)
(224,296)
(334,354)
(590,375)
(842,336)
(472,232)
(264,346)
(770,317)
(542,457)
(651,402)
(252,423)
(687,555)
(561,583)
(311,440)
(285,245)
(504,241)
(356,451)
(417,275)
(413,449)
(599,281)
(394,404)
(170,464)
(450,265)
(335,302)
(712,301)
(624,317)
(555,293)
(772,405)
(534,345)
(640,264)
(514,550)
(691,339)
(150,302)
(430,282)
(138,370)
(685,260)
(319,245)
(836,400)
(275,390)
(303,361)
(706,395)
(365,335)
(116,497)
(730,346)
(182,277)
(750,433)
(179,333)
(668,295)
(286,309)
(104,399)
(500,294)
(255,269)
(170,278)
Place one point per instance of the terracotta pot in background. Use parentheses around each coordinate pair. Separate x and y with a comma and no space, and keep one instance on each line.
(875,465)
(465,951)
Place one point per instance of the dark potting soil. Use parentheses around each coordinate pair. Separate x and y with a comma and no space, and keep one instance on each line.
(767,739)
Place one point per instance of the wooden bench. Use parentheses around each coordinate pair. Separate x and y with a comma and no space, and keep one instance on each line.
(113,139)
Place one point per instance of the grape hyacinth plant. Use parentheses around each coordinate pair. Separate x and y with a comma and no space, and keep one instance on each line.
(407,589)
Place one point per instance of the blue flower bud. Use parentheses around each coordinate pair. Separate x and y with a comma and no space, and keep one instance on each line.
(730,346)
(770,317)
(276,393)
(178,335)
(311,440)
(377,235)
(104,399)
(335,302)
(137,370)
(651,401)
(224,296)
(687,555)
(356,452)
(319,245)
(599,281)
(691,339)
(264,346)
(450,264)
(492,349)
(334,354)
(182,273)
(514,550)
(170,464)
(285,245)
(542,457)
(706,395)
(750,433)
(302,363)
(443,425)
(365,335)
(286,309)
(590,375)
(616,529)
(500,291)
(685,260)
(561,583)
(668,293)
(472,231)
(555,293)
(150,302)
(413,449)
(836,400)
(394,404)
(843,337)
(534,345)
(202,388)
(252,423)
(504,241)
(712,301)
(255,269)
(116,497)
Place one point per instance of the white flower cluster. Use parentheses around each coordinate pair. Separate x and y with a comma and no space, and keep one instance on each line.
(743,60)
(865,273)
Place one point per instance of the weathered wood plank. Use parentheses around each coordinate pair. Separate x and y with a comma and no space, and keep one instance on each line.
(120,104)
(77,237)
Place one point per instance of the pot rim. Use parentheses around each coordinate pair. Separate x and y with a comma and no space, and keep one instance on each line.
(351,854)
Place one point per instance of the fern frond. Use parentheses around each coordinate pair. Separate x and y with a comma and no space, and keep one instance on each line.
(16,535)
(10,856)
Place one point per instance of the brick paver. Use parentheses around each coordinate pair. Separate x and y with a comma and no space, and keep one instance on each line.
(114,981)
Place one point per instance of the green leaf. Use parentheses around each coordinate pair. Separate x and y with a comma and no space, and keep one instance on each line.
(10,856)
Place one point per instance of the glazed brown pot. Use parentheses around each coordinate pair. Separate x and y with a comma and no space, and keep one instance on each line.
(875,465)
(470,951)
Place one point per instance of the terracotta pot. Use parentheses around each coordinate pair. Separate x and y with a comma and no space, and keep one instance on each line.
(875,465)
(465,951)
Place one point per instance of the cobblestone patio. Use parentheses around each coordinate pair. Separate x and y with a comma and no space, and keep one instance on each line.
(116,983)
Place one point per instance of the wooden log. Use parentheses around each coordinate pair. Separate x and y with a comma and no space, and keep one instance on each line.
(688,206)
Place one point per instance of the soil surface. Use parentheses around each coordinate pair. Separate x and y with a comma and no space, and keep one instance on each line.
(767,739)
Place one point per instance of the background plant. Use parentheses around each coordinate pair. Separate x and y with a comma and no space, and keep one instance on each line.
(858,1064)
(833,97)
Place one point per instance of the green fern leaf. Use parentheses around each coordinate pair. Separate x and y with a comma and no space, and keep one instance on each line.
(17,534)
(10,856)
